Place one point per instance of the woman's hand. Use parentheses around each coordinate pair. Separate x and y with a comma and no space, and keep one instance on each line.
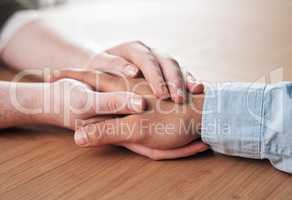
(49,49)
(163,73)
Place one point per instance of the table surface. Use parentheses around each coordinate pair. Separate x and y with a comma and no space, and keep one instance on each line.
(229,40)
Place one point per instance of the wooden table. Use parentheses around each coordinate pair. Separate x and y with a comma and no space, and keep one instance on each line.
(229,40)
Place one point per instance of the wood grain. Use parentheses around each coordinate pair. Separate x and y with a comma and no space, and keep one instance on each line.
(218,41)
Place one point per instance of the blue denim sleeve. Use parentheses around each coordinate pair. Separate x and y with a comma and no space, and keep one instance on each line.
(250,120)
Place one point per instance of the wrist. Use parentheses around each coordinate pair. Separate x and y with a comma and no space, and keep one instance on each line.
(20,103)
(30,102)
(47,104)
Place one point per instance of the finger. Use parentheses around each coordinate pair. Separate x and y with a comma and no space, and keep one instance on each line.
(173,76)
(74,73)
(143,58)
(117,103)
(113,131)
(155,154)
(114,65)
(194,86)
(99,81)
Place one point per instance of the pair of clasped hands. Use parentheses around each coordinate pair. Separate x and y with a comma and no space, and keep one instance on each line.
(131,96)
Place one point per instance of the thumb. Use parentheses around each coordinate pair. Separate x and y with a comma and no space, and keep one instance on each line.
(97,80)
(113,131)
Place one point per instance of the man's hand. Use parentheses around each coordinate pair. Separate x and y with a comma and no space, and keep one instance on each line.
(68,102)
(164,125)
(64,103)
(165,131)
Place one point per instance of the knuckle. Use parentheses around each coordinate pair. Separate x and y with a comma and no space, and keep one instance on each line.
(160,91)
(112,104)
(176,84)
(151,57)
(173,61)
(81,98)
(79,103)
(137,42)
(141,44)
(135,48)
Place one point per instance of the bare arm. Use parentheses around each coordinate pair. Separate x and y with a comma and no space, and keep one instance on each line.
(36,45)
(16,107)
(63,103)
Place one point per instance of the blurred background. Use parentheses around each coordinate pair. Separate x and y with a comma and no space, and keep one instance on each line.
(227,40)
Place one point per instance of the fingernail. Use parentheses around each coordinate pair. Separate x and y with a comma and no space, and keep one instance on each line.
(80,138)
(137,104)
(130,70)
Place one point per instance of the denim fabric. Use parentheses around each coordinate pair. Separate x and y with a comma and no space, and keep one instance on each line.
(250,120)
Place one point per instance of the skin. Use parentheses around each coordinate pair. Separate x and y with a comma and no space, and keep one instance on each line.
(63,103)
(49,49)
(47,104)
(140,132)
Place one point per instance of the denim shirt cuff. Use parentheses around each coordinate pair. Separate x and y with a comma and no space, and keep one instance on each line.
(233,117)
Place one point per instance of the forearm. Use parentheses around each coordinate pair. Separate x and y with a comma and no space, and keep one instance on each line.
(36,45)
(20,103)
